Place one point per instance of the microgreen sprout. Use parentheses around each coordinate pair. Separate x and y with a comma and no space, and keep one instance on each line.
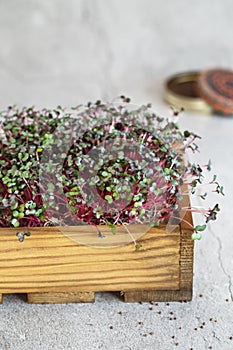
(122,166)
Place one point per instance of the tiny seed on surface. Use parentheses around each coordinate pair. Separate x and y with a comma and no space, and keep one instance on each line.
(111,327)
(200,295)
(151,333)
(173,337)
(230,338)
(150,308)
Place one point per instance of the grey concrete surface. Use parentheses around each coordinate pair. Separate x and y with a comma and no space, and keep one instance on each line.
(69,52)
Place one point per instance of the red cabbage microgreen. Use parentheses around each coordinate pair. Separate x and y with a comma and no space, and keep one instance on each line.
(122,166)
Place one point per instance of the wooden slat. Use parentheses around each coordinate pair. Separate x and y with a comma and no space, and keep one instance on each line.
(157,296)
(57,298)
(49,261)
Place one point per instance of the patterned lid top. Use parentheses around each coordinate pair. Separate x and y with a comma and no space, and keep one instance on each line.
(215,86)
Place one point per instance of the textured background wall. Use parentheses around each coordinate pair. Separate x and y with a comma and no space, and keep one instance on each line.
(71,51)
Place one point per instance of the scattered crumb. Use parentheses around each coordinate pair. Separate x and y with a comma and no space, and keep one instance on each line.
(111,327)
(159,312)
(230,338)
(180,327)
(152,302)
(227,300)
(144,335)
(150,308)
(176,344)
(167,304)
(195,329)
(151,333)
(200,295)
(173,337)
(211,319)
(120,312)
(140,322)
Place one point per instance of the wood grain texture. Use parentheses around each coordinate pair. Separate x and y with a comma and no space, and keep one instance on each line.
(70,264)
(157,296)
(49,261)
(1,298)
(186,277)
(185,265)
(57,298)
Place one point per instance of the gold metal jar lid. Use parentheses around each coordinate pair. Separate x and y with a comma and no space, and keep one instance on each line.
(181,91)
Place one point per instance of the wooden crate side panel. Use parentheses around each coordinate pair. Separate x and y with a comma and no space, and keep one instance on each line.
(48,261)
(186,276)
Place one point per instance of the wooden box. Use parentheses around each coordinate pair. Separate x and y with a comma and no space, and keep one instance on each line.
(52,267)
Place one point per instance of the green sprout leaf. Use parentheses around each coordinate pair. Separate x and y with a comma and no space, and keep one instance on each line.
(221,190)
(15,213)
(196,236)
(186,133)
(209,165)
(15,222)
(137,247)
(200,227)
(109,199)
(112,227)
